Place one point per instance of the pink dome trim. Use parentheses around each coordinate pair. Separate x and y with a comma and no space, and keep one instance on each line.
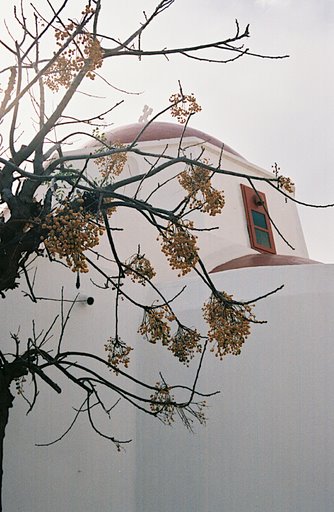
(161,131)
(262,260)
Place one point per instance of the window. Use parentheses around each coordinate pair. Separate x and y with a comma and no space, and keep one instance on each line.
(258,222)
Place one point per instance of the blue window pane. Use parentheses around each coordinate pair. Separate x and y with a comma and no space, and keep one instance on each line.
(259,220)
(262,238)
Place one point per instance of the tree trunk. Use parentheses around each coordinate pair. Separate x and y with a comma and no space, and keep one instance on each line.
(6,402)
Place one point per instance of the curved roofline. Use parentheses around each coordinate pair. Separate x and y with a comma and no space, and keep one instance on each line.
(263,260)
(161,131)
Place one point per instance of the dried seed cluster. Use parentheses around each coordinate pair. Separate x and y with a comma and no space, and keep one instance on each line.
(283,181)
(155,325)
(179,246)
(229,324)
(162,403)
(197,182)
(140,269)
(83,48)
(184,344)
(183,106)
(118,353)
(111,165)
(69,233)
(286,183)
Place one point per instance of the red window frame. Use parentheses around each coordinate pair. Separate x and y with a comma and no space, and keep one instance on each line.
(256,202)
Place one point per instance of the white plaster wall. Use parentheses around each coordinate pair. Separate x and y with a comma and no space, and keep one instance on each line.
(268,444)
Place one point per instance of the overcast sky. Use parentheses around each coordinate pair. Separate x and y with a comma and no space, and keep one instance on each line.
(268,110)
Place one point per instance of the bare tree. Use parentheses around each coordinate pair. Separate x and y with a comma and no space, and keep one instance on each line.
(53,210)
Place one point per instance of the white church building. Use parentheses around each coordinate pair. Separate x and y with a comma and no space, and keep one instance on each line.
(268,445)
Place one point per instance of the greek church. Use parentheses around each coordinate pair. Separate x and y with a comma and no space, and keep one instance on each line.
(268,442)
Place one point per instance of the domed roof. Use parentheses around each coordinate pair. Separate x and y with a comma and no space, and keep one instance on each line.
(161,131)
(263,260)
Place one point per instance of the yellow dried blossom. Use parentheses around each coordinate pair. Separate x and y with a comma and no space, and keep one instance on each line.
(162,403)
(140,269)
(69,232)
(283,181)
(118,352)
(286,183)
(229,324)
(111,165)
(83,48)
(156,327)
(185,343)
(164,406)
(156,324)
(179,246)
(183,106)
(197,182)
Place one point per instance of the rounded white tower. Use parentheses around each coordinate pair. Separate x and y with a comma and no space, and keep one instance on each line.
(268,443)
